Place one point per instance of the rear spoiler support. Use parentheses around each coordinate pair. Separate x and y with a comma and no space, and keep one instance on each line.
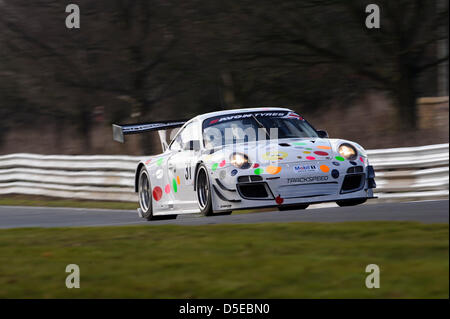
(163,139)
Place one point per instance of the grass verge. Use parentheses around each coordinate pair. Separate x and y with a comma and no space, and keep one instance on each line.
(288,260)
(44,201)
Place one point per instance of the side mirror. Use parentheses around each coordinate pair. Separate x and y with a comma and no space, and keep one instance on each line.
(322,133)
(192,146)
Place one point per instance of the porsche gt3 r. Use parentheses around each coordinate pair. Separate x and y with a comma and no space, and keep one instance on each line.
(247,158)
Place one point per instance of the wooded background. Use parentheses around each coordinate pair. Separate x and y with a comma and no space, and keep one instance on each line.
(136,61)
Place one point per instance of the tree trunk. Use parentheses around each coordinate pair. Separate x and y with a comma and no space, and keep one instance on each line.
(147,140)
(58,134)
(405,98)
(85,128)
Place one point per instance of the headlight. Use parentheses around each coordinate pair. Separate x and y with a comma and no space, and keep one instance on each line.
(240,160)
(347,151)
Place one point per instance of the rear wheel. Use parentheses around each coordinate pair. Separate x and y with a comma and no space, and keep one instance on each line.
(293,207)
(203,189)
(145,198)
(351,202)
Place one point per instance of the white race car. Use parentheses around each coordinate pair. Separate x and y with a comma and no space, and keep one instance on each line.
(247,158)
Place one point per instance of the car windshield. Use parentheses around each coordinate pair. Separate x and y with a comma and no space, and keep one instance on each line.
(247,127)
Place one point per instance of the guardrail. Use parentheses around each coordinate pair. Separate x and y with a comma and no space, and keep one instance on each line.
(409,173)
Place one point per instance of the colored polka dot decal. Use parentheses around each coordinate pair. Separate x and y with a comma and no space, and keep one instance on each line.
(299,143)
(335,173)
(361,159)
(311,158)
(258,171)
(324,147)
(178,180)
(157,193)
(339,158)
(222,164)
(159,161)
(320,153)
(324,168)
(167,189)
(256,165)
(273,156)
(273,169)
(214,166)
(147,162)
(174,185)
(308,148)
(307,152)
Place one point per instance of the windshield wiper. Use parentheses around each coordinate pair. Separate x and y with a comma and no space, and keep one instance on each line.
(261,126)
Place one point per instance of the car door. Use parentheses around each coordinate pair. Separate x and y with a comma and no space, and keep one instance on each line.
(181,167)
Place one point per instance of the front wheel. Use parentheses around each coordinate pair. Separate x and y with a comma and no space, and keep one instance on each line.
(203,189)
(351,202)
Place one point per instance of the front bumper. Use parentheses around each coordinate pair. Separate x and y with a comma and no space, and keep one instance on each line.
(246,189)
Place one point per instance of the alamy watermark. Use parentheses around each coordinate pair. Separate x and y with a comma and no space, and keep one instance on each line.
(73,19)
(73,279)
(373,280)
(373,19)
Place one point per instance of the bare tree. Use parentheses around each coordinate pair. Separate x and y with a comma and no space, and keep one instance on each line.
(333,32)
(122,51)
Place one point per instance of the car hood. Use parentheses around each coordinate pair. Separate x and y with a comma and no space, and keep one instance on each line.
(283,150)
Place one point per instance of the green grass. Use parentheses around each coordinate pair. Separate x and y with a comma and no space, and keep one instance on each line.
(43,201)
(286,260)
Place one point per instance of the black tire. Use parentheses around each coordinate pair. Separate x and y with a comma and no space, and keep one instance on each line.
(293,207)
(351,202)
(145,198)
(203,190)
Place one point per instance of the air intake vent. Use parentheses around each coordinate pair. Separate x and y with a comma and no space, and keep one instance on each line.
(352,183)
(356,169)
(243,179)
(253,191)
(256,178)
(247,179)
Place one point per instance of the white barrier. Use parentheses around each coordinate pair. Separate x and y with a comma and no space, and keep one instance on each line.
(408,173)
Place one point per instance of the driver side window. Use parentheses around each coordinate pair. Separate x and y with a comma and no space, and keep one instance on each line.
(176,145)
(188,133)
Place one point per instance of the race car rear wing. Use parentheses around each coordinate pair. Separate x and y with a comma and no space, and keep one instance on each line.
(119,131)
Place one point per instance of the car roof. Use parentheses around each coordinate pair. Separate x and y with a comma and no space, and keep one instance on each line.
(237,111)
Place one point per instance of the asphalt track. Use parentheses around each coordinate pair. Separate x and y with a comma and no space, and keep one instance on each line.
(425,212)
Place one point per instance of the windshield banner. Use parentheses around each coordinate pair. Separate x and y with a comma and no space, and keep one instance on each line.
(231,117)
